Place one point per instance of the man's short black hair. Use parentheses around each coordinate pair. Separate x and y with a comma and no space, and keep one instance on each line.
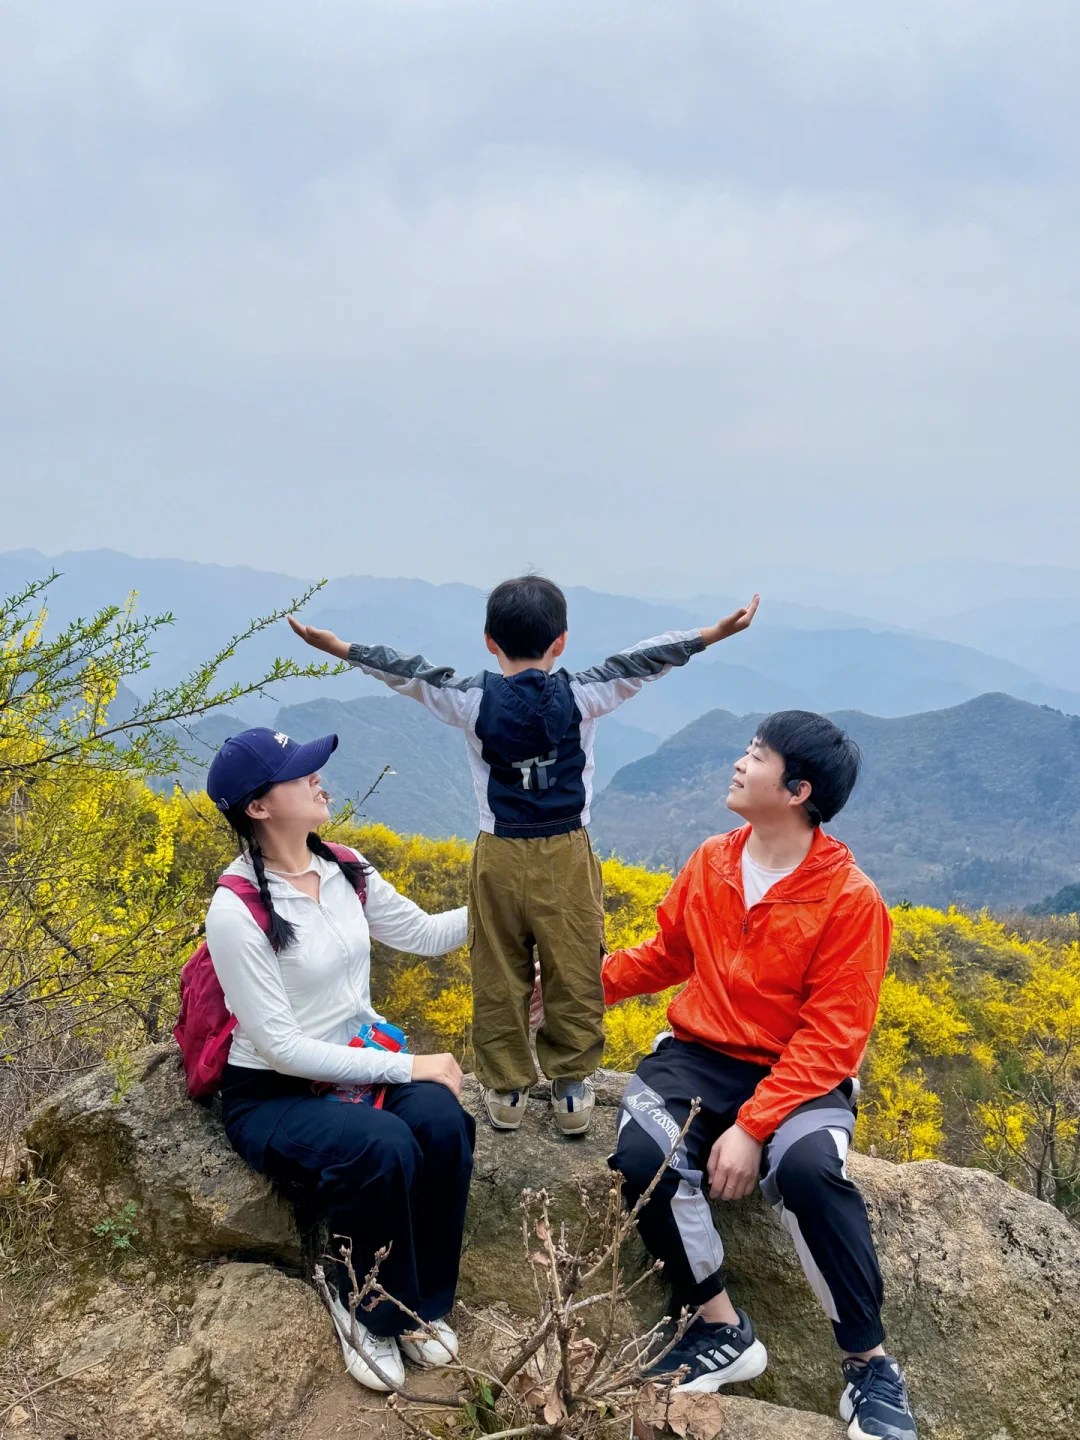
(814,749)
(525,616)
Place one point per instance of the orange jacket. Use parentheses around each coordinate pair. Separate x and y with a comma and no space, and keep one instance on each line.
(791,983)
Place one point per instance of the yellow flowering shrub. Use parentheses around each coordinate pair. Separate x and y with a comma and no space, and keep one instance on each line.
(927,1016)
(904,1119)
(631,1027)
(450,1014)
(408,992)
(430,998)
(928,942)
(631,895)
(103,879)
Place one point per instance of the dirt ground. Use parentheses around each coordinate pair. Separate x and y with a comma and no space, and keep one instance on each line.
(344,1411)
(33,1406)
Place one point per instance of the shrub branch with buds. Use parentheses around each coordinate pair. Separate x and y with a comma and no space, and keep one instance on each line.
(573,1372)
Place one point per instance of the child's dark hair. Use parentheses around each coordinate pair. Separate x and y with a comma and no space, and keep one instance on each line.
(282,932)
(524,616)
(814,749)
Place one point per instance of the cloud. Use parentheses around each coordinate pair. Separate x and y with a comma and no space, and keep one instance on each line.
(485,260)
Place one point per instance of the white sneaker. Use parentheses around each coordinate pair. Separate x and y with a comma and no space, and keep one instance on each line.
(383,1349)
(573,1102)
(427,1350)
(505,1108)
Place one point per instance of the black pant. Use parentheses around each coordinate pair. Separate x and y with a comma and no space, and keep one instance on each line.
(398,1176)
(803,1178)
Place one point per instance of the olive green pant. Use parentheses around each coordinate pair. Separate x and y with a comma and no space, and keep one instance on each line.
(546,892)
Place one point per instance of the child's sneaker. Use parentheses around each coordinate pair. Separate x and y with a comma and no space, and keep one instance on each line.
(383,1349)
(876,1401)
(505,1108)
(716,1355)
(428,1349)
(573,1102)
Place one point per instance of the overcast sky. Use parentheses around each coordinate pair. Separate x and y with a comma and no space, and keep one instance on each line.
(641,292)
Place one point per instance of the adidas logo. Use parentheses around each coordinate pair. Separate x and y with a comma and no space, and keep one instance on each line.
(281,738)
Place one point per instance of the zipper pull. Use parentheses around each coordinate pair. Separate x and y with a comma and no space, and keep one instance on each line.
(745,922)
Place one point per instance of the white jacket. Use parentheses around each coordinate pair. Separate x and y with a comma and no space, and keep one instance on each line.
(296,1011)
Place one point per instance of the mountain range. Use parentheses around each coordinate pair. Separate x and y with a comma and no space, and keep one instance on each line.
(970,792)
(424,785)
(795,655)
(975,805)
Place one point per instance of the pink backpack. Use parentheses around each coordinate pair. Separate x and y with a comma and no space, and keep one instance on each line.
(204,1027)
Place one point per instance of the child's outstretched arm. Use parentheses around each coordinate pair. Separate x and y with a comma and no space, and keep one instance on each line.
(604,687)
(453,701)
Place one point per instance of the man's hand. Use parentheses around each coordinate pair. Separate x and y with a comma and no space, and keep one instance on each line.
(321,639)
(731,624)
(734,1165)
(443,1069)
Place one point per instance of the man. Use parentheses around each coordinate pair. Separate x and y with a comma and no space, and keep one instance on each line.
(781,943)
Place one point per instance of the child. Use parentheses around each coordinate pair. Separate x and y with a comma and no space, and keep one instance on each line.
(780,942)
(535,879)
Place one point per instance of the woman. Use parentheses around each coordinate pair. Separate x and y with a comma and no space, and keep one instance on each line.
(396,1176)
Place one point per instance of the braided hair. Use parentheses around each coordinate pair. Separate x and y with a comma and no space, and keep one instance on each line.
(353,870)
(282,932)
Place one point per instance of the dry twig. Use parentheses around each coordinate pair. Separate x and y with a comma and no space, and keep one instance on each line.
(561,1383)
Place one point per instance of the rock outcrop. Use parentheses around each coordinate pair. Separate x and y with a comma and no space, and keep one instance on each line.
(982,1283)
(152,1146)
(248,1323)
(254,1343)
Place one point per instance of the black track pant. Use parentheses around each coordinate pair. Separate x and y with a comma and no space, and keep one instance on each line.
(803,1178)
(398,1176)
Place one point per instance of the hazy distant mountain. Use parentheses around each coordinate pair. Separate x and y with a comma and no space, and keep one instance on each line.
(1041,635)
(909,596)
(975,805)
(785,612)
(948,585)
(883,671)
(978,804)
(430,791)
(818,658)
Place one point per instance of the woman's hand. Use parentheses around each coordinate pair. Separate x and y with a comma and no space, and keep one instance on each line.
(320,639)
(443,1069)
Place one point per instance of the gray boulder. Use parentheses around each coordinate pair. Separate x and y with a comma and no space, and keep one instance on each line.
(236,1362)
(150,1146)
(982,1282)
(758,1420)
(257,1343)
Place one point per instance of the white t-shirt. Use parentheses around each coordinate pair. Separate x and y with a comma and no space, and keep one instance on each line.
(758,879)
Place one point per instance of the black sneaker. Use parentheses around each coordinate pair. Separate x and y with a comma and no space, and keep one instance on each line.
(716,1355)
(876,1401)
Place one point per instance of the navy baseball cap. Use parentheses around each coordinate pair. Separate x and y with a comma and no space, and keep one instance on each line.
(254,758)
